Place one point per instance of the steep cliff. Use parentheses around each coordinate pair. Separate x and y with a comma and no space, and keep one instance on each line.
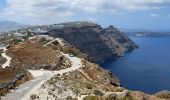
(97,42)
(88,81)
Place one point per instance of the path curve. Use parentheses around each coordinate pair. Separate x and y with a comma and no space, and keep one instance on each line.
(7,63)
(24,91)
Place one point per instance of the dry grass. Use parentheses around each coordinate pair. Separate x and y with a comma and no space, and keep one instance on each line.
(6,74)
(33,53)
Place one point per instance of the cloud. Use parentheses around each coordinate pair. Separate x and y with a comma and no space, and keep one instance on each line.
(39,11)
(154,15)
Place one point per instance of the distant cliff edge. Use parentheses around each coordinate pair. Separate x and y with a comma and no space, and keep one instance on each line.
(99,43)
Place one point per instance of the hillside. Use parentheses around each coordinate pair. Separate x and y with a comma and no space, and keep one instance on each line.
(52,68)
(98,43)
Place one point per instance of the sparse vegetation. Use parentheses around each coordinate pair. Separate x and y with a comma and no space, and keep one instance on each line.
(2,60)
(89,86)
(92,98)
(127,98)
(33,96)
(15,41)
(28,34)
(43,40)
(41,57)
(98,92)
(163,94)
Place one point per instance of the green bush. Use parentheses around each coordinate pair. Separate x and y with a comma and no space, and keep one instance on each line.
(28,34)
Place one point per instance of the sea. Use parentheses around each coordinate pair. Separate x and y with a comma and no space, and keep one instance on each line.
(144,69)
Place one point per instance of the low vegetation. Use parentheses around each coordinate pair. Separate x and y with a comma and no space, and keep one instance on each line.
(15,41)
(92,98)
(163,94)
(31,54)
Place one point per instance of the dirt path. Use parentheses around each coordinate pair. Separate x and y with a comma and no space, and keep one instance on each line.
(25,90)
(7,63)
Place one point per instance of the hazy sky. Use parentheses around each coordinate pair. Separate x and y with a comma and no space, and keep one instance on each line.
(135,14)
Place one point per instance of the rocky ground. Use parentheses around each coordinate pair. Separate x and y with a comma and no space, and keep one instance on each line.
(84,81)
(87,83)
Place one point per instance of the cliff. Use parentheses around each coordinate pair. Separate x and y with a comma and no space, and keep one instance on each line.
(88,81)
(99,43)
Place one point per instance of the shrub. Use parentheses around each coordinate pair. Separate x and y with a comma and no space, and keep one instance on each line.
(92,98)
(163,94)
(16,41)
(28,34)
(98,92)
(42,39)
(33,96)
(89,86)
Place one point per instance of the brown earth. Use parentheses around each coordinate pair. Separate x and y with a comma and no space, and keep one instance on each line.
(7,74)
(32,54)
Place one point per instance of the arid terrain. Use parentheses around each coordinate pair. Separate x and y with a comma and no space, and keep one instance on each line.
(42,67)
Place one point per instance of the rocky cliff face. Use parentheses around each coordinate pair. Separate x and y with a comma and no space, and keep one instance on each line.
(97,42)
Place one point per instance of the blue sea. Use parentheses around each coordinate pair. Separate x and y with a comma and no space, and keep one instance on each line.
(146,69)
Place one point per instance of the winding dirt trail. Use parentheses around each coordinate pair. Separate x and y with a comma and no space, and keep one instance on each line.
(24,91)
(7,63)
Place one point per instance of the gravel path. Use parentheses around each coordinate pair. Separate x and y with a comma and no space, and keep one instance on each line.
(24,91)
(56,39)
(7,63)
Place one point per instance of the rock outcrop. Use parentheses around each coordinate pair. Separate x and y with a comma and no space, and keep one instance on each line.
(99,43)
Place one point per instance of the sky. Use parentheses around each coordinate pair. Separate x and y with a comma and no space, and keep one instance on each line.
(130,14)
